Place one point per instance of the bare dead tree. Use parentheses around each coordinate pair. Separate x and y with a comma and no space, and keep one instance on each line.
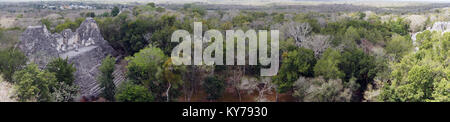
(317,43)
(265,86)
(236,77)
(298,31)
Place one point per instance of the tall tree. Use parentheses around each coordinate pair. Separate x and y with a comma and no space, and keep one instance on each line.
(173,77)
(146,68)
(356,64)
(328,65)
(11,60)
(106,78)
(63,70)
(65,90)
(296,63)
(399,26)
(115,11)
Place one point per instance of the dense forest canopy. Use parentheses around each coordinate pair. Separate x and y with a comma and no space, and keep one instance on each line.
(325,57)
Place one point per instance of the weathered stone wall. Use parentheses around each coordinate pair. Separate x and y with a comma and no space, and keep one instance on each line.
(440,26)
(85,47)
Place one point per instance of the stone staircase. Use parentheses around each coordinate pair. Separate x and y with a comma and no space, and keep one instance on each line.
(119,78)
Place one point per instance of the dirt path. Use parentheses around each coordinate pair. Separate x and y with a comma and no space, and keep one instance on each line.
(6,91)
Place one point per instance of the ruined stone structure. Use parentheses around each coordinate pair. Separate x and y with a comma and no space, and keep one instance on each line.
(442,27)
(85,47)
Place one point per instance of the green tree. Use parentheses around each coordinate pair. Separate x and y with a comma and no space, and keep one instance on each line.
(106,78)
(11,60)
(398,46)
(89,14)
(173,77)
(295,63)
(441,91)
(146,68)
(110,30)
(160,9)
(47,23)
(327,66)
(151,4)
(129,92)
(416,87)
(351,36)
(105,14)
(152,69)
(420,76)
(33,84)
(446,42)
(242,20)
(115,11)
(348,31)
(194,9)
(64,71)
(69,24)
(166,25)
(134,31)
(278,17)
(214,87)
(65,90)
(361,15)
(357,64)
(399,26)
